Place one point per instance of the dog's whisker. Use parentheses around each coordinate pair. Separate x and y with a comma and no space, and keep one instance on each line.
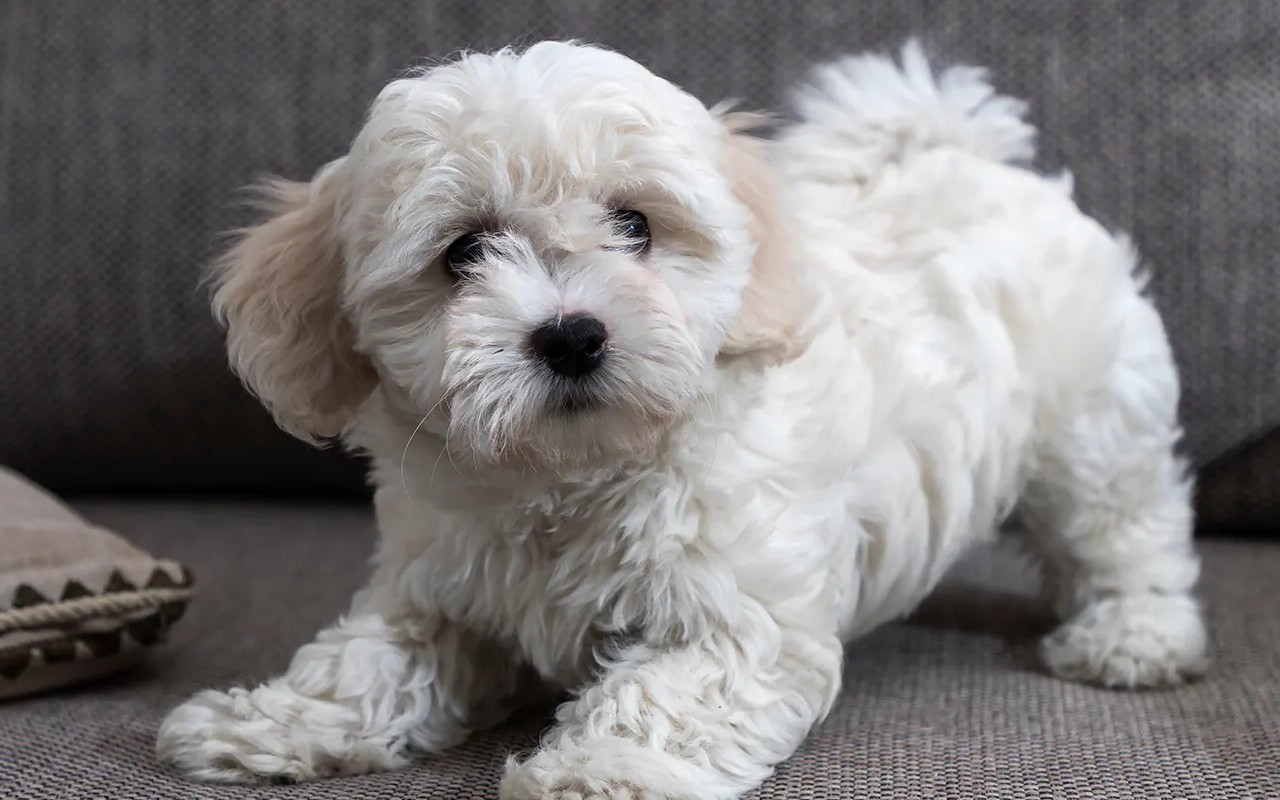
(404,456)
(715,435)
(431,481)
(449,452)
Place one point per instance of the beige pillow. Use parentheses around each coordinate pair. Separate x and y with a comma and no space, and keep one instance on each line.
(76,601)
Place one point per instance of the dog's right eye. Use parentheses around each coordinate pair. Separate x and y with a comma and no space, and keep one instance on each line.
(463,254)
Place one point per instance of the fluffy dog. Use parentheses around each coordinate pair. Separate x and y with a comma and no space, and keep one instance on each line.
(665,414)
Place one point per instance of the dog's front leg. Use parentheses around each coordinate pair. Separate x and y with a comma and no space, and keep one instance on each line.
(360,698)
(706,719)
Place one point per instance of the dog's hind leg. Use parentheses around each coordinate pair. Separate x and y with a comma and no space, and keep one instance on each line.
(1108,512)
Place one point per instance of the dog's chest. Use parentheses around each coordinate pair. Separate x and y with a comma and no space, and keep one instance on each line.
(575,574)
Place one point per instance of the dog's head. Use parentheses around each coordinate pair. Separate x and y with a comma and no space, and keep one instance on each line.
(542,252)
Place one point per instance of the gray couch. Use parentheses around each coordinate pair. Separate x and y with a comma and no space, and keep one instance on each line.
(125,129)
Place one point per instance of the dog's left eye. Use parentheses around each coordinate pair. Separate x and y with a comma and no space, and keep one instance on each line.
(463,254)
(634,227)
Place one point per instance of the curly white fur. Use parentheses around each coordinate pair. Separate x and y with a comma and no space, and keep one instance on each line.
(851,354)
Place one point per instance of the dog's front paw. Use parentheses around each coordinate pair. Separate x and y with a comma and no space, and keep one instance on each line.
(267,734)
(223,737)
(1130,642)
(606,769)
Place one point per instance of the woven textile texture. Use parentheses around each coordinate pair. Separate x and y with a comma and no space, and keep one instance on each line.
(126,128)
(947,705)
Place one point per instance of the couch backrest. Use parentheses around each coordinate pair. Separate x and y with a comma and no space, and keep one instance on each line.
(126,128)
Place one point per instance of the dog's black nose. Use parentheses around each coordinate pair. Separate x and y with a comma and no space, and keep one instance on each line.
(571,346)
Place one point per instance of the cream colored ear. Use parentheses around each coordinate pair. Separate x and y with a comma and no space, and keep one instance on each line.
(770,314)
(277,291)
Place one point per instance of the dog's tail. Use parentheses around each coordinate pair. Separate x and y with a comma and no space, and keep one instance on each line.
(870,111)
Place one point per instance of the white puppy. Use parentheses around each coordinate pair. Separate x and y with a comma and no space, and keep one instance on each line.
(664,414)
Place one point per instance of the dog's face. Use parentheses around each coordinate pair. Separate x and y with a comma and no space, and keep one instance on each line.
(541,253)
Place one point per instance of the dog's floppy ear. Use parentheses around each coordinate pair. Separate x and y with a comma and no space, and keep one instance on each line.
(277,291)
(770,315)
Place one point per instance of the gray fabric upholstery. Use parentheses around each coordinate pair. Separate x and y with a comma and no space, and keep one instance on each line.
(125,129)
(950,704)
(1239,491)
